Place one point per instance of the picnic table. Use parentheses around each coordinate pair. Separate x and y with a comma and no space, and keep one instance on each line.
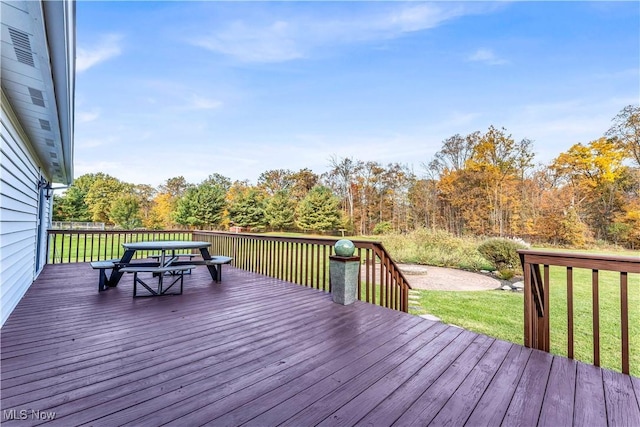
(167,259)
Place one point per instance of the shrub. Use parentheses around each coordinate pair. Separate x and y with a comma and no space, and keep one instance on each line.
(502,253)
(507,274)
(383,227)
(435,247)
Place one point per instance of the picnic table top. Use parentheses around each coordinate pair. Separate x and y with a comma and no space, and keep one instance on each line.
(166,245)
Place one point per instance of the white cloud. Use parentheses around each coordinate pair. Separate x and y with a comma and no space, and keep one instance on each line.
(273,42)
(87,116)
(424,16)
(487,56)
(200,103)
(254,39)
(107,48)
(91,142)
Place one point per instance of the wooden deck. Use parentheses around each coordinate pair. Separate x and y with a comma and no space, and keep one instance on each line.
(259,351)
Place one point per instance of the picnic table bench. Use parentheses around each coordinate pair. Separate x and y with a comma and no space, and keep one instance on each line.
(103,280)
(167,262)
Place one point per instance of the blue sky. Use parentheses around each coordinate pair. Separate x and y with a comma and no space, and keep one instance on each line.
(191,88)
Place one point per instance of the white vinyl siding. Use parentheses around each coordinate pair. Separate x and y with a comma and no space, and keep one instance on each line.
(19,215)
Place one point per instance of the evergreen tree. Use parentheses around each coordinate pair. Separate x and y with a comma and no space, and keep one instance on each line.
(201,206)
(280,211)
(319,210)
(248,209)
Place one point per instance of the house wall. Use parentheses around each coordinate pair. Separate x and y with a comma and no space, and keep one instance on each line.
(22,208)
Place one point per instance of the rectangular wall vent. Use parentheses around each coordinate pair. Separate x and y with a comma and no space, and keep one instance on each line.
(49,142)
(56,164)
(22,46)
(20,39)
(53,155)
(37,97)
(44,124)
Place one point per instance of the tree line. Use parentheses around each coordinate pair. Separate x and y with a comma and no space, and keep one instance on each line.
(483,183)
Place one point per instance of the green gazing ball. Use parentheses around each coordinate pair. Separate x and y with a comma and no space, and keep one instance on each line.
(345,247)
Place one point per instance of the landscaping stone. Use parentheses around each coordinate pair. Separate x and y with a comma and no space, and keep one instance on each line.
(430,317)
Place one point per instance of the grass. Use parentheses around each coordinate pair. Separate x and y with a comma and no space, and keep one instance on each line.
(79,247)
(438,248)
(494,313)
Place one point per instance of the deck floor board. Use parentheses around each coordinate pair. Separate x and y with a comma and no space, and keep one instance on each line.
(254,350)
(486,393)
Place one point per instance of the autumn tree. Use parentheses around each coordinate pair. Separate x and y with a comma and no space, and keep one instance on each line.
(396,182)
(175,187)
(626,131)
(125,211)
(275,180)
(145,195)
(301,183)
(598,177)
(340,179)
(480,179)
(454,186)
(102,192)
(369,192)
(454,154)
(161,214)
(498,164)
(423,202)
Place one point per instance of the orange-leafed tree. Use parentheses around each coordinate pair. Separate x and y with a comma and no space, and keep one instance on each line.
(160,215)
(599,179)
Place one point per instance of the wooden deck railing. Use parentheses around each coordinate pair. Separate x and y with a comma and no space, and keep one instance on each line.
(537,303)
(306,261)
(65,246)
(300,260)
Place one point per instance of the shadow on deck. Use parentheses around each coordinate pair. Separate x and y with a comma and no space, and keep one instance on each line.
(259,351)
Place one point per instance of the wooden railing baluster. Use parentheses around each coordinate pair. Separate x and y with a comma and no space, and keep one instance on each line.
(570,312)
(596,317)
(624,321)
(537,332)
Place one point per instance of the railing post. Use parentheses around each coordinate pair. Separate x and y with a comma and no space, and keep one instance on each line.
(536,302)
(528,295)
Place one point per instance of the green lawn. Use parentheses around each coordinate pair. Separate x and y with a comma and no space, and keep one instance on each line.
(81,247)
(500,314)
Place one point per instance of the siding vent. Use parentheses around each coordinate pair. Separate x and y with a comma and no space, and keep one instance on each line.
(37,96)
(53,155)
(22,46)
(49,142)
(56,164)
(44,124)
